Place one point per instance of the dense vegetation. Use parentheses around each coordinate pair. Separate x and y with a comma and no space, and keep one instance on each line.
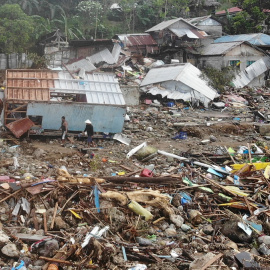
(22,22)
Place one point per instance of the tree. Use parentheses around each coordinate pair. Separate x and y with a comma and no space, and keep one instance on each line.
(218,79)
(28,6)
(93,12)
(251,19)
(16,29)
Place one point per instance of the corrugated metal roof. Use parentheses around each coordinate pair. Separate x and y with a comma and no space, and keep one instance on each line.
(27,84)
(19,127)
(252,72)
(102,56)
(163,25)
(258,39)
(205,20)
(116,52)
(100,88)
(219,48)
(132,40)
(184,73)
(184,31)
(229,10)
(81,64)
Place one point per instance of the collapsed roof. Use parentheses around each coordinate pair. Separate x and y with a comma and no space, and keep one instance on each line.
(179,81)
(253,71)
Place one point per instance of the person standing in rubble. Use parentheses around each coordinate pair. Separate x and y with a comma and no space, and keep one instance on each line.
(89,130)
(64,128)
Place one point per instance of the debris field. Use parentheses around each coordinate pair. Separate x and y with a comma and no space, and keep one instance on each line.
(180,188)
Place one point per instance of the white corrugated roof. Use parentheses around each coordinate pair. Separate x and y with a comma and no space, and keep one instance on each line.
(81,64)
(102,56)
(185,73)
(183,31)
(100,88)
(252,72)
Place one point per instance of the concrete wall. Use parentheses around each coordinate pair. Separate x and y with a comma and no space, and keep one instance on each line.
(56,57)
(131,94)
(243,53)
(14,61)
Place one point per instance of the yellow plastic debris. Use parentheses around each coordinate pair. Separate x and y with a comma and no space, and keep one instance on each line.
(121,173)
(258,166)
(236,191)
(75,214)
(267,172)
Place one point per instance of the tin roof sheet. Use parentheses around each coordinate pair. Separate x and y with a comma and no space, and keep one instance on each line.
(205,20)
(81,64)
(219,48)
(258,39)
(27,84)
(184,31)
(184,73)
(252,72)
(137,39)
(99,88)
(163,25)
(19,127)
(102,56)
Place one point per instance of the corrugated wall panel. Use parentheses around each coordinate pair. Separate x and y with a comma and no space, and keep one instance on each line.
(104,118)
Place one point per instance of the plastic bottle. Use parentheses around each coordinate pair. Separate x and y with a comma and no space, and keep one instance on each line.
(139,210)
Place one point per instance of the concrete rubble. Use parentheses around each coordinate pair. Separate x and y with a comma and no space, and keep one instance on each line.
(183,187)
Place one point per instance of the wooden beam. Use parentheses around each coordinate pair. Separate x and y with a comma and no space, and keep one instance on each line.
(212,261)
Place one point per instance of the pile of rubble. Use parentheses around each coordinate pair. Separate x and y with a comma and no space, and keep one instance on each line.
(180,188)
(120,207)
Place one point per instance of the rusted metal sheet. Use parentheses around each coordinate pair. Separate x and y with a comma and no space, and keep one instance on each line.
(19,127)
(29,84)
(137,40)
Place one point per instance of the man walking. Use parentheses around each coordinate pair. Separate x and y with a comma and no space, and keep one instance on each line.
(89,129)
(64,128)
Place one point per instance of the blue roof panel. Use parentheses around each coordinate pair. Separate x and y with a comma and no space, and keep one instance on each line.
(257,39)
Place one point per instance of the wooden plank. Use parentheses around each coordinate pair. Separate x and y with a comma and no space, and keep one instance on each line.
(212,261)
(248,205)
(30,237)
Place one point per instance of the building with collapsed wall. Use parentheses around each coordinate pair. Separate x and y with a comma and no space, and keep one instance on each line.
(45,95)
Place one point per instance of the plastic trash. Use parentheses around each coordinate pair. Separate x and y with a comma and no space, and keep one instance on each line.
(146,173)
(136,149)
(138,267)
(181,136)
(139,210)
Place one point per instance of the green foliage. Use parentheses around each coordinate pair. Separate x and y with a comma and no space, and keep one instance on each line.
(92,16)
(219,78)
(39,62)
(16,29)
(250,20)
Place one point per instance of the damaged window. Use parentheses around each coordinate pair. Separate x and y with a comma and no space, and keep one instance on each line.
(250,63)
(235,63)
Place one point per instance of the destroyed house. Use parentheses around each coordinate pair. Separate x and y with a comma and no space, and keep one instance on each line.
(58,53)
(44,96)
(238,55)
(176,33)
(178,82)
(142,44)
